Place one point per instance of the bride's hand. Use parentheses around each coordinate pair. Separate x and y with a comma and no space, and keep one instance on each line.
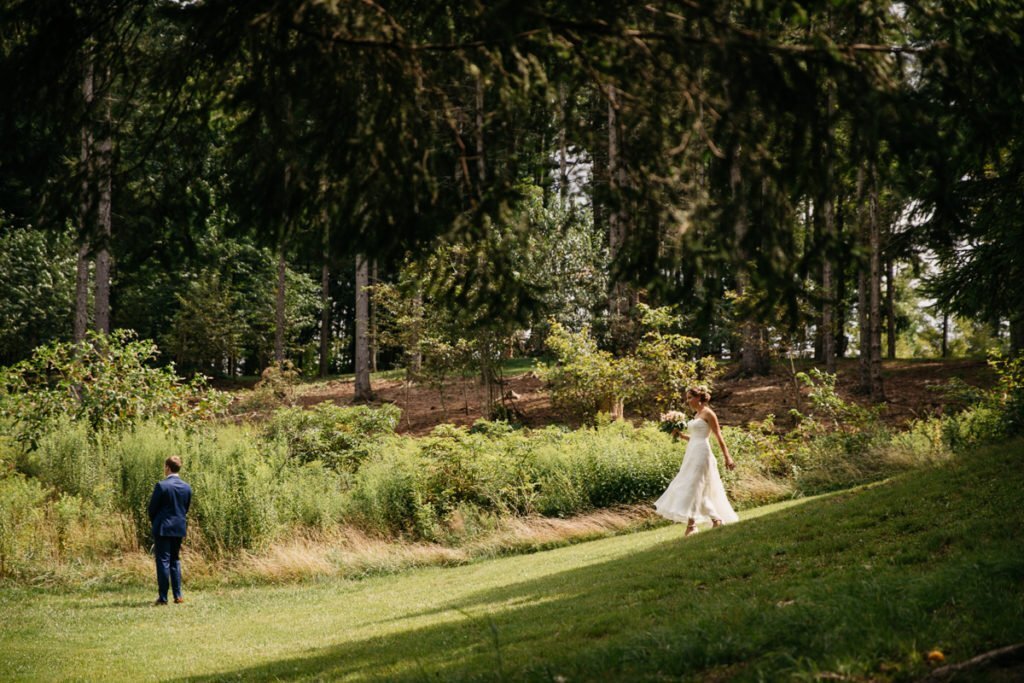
(730,464)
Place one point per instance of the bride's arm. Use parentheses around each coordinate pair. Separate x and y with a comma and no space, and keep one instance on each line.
(713,423)
(679,435)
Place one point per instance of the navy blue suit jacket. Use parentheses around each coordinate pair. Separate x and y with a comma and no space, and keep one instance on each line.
(168,506)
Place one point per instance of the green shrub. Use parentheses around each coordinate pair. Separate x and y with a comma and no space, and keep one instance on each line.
(140,456)
(839,460)
(561,493)
(667,363)
(974,427)
(758,446)
(69,457)
(488,466)
(311,495)
(385,495)
(829,410)
(922,443)
(468,521)
(275,388)
(1009,392)
(107,382)
(585,380)
(68,512)
(506,475)
(21,523)
(235,485)
(621,464)
(765,465)
(339,437)
(430,485)
(449,467)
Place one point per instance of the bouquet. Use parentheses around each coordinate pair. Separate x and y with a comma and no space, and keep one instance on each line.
(673,421)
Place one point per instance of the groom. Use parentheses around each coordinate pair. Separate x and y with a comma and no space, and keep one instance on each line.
(167,509)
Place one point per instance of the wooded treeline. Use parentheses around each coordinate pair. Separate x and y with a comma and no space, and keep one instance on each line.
(359,183)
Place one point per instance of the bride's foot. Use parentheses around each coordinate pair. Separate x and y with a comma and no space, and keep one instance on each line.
(691,528)
(715,523)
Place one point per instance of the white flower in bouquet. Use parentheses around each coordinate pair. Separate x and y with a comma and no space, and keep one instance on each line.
(673,421)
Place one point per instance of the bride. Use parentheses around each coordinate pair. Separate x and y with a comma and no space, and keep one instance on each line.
(696,494)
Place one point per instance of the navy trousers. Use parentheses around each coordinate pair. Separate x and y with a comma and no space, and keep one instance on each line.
(168,566)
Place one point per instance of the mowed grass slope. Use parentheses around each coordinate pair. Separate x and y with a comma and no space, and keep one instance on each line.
(860,583)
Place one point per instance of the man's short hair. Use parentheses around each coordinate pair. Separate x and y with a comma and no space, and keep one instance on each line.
(173,463)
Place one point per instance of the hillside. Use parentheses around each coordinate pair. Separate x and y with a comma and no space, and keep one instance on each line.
(854,586)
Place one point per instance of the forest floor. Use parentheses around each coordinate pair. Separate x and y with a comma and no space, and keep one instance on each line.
(911,392)
(878,583)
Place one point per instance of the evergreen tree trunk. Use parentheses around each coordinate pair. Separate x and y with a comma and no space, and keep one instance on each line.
(945,334)
(563,148)
(1017,334)
(104,164)
(842,310)
(481,166)
(863,295)
(325,318)
(616,230)
(86,203)
(599,174)
(279,309)
(753,352)
(812,225)
(324,365)
(890,309)
(877,387)
(487,374)
(374,346)
(828,341)
(827,209)
(864,330)
(81,292)
(754,358)
(363,391)
(622,297)
(416,354)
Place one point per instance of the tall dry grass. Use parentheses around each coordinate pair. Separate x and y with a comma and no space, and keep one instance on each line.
(344,552)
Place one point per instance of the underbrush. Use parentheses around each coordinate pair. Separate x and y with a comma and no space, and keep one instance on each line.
(335,490)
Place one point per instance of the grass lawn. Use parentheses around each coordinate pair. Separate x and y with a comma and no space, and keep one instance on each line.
(859,584)
(518,366)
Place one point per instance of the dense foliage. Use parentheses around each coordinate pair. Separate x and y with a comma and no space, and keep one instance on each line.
(108,383)
(566,160)
(585,379)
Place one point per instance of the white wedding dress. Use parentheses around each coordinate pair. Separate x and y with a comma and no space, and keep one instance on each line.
(696,492)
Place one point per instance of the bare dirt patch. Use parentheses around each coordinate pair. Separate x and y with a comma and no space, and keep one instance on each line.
(909,386)
(460,403)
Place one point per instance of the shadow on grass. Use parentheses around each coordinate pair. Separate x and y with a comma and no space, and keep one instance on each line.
(122,604)
(854,583)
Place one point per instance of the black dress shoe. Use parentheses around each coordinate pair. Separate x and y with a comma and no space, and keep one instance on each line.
(160,603)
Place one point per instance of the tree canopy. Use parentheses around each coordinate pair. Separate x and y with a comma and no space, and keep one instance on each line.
(703,137)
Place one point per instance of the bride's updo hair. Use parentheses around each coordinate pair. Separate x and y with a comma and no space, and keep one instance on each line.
(701,391)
